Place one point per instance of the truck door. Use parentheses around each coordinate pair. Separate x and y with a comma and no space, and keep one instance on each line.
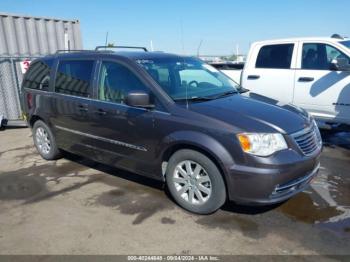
(269,71)
(318,89)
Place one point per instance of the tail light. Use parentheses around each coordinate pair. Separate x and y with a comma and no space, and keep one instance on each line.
(30,100)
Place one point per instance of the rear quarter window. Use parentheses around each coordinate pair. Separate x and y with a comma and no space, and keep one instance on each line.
(38,75)
(275,56)
(73,77)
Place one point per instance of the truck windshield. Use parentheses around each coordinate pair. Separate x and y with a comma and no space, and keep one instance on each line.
(188,78)
(346,43)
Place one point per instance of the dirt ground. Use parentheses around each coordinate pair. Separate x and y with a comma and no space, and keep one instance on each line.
(77,206)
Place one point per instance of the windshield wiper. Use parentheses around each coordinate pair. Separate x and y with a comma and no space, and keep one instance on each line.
(228,93)
(194,98)
(243,90)
(207,98)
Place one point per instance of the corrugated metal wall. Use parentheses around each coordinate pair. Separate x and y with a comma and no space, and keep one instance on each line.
(26,37)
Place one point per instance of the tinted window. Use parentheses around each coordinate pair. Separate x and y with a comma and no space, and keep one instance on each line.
(38,75)
(227,66)
(319,56)
(116,81)
(346,43)
(74,77)
(275,56)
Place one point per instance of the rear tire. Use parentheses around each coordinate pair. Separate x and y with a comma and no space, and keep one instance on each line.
(45,142)
(195,182)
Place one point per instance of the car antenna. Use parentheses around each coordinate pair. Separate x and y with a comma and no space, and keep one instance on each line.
(183,59)
(186,98)
(186,92)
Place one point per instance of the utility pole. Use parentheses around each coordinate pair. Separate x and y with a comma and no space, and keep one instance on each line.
(199,46)
(106,41)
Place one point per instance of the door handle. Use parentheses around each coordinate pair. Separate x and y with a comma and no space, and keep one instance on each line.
(306,79)
(253,77)
(83,108)
(101,112)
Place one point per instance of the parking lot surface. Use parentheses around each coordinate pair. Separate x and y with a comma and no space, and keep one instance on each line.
(77,206)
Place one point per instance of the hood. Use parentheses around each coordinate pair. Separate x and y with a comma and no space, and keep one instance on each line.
(254,113)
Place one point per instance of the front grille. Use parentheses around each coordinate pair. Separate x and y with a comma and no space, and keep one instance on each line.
(308,140)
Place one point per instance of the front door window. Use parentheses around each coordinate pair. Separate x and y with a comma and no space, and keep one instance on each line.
(319,56)
(116,81)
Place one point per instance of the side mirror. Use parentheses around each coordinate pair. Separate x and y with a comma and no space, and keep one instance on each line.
(139,99)
(340,64)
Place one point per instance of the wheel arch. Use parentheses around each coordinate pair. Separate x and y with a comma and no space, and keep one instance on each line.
(33,119)
(204,144)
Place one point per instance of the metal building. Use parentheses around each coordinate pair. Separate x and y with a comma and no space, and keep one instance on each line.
(24,38)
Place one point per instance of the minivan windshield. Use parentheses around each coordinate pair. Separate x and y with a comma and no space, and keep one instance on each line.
(346,43)
(185,78)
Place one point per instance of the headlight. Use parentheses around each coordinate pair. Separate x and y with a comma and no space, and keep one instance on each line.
(262,144)
(317,131)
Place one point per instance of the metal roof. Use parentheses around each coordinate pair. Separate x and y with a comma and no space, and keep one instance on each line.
(39,17)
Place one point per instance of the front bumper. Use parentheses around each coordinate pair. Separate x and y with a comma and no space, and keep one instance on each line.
(272,183)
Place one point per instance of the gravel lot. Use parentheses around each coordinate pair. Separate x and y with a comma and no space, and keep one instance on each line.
(77,206)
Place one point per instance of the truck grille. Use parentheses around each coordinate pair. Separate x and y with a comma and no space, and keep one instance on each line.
(308,139)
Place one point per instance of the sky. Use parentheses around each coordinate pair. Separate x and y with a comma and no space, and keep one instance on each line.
(179,26)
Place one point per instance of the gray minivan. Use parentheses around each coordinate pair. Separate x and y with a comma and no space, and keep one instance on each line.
(172,118)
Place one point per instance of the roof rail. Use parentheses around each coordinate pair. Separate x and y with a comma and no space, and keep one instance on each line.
(75,50)
(121,47)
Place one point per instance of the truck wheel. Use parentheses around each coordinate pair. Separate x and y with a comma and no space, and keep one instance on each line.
(195,182)
(44,141)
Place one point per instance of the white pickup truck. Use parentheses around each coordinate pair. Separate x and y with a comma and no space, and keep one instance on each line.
(312,73)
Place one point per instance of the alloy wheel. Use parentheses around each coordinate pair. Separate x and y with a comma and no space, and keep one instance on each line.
(192,182)
(42,140)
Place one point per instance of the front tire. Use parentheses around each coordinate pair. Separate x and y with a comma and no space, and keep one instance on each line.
(195,182)
(45,142)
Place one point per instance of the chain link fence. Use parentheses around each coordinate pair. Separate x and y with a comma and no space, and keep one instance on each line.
(11,76)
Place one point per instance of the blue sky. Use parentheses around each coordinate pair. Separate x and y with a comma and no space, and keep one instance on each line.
(179,25)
